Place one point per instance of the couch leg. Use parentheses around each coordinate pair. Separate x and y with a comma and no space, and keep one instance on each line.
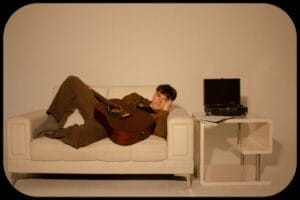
(188,178)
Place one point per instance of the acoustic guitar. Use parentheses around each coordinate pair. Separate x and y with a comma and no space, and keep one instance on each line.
(124,124)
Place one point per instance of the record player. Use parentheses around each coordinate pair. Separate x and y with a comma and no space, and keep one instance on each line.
(222,97)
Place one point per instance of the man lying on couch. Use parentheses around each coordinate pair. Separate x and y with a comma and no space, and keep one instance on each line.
(75,94)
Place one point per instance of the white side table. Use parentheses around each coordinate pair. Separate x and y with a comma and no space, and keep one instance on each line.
(259,140)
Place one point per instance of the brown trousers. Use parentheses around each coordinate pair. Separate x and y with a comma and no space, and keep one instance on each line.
(72,94)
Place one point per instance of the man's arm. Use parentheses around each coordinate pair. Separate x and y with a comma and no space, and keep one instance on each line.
(134,99)
(161,123)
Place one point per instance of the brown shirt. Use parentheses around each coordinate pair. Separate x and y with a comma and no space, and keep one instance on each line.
(160,117)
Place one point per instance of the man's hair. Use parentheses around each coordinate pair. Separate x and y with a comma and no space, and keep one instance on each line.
(167,90)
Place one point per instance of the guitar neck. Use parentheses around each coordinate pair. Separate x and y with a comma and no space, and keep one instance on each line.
(102,98)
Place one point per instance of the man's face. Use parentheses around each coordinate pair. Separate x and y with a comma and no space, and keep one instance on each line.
(159,101)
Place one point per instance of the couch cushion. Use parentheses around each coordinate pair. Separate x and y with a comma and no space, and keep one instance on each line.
(106,150)
(153,148)
(121,91)
(45,148)
(74,118)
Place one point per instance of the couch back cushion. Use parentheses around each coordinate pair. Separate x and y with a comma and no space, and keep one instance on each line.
(110,92)
(121,91)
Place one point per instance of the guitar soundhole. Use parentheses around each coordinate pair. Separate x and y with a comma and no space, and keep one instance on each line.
(115,108)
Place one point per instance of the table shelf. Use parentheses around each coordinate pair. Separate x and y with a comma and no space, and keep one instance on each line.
(231,174)
(248,146)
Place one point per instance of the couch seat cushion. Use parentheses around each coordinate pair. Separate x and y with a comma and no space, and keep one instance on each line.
(45,148)
(106,150)
(153,148)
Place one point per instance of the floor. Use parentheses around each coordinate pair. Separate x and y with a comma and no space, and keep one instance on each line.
(131,186)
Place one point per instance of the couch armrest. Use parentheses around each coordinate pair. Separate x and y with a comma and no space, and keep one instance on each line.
(19,133)
(180,134)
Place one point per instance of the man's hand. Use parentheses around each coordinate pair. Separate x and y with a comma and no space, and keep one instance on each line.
(168,105)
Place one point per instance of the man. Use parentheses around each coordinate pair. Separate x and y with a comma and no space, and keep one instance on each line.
(74,93)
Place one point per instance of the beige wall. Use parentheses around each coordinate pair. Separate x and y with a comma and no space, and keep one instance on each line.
(142,44)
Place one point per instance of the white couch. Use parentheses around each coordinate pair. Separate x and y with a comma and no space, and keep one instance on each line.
(154,155)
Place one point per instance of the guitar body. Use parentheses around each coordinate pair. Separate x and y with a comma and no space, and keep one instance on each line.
(125,131)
